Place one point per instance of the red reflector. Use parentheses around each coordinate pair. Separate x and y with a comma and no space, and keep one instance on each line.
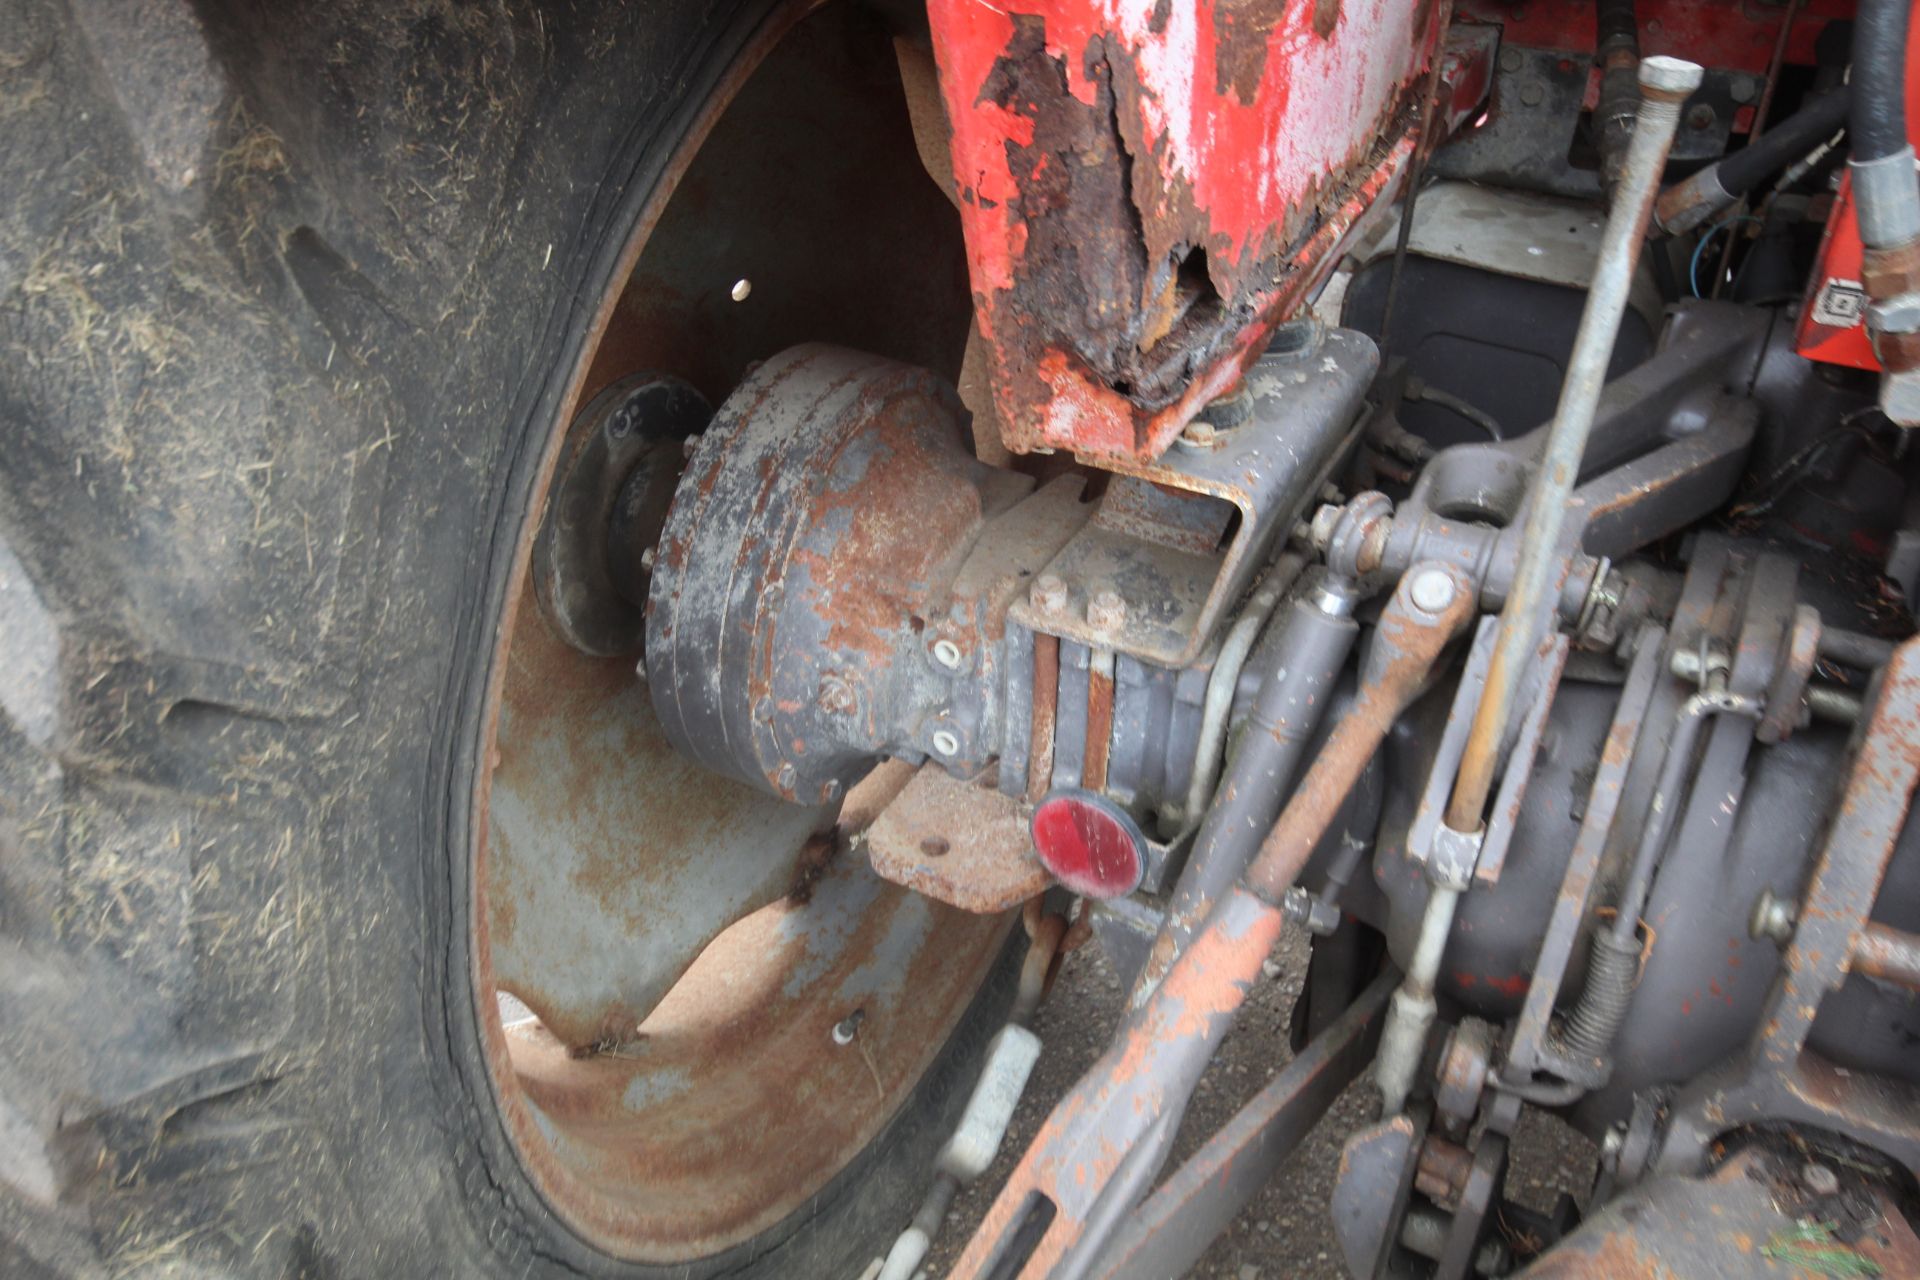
(1089,844)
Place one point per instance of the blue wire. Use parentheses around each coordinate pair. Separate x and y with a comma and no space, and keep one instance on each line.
(1693,263)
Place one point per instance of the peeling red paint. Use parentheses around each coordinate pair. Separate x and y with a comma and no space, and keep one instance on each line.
(1146,189)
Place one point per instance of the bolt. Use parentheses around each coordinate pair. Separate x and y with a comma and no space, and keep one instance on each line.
(1431,590)
(848,1027)
(1611,1144)
(1742,89)
(1320,532)
(944,743)
(835,696)
(1294,338)
(688,445)
(1049,594)
(1662,75)
(741,288)
(1106,610)
(648,557)
(787,776)
(1700,118)
(1511,59)
(1900,397)
(1819,1179)
(1532,94)
(947,654)
(1200,435)
(763,711)
(831,790)
(1772,919)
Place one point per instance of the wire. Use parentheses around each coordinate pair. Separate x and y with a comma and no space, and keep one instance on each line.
(1693,263)
(1418,390)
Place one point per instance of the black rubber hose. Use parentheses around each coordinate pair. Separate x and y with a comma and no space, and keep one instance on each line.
(1785,143)
(1618,50)
(1878,121)
(1616,23)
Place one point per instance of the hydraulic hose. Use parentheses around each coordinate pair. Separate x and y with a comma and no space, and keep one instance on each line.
(1618,50)
(1786,142)
(1887,198)
(1685,205)
(1878,119)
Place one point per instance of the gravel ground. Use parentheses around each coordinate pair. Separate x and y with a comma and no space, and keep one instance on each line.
(1286,1231)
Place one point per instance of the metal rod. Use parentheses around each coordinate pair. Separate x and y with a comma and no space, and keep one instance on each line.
(1854,649)
(1416,173)
(1225,679)
(1892,955)
(1412,1014)
(1674,769)
(1665,84)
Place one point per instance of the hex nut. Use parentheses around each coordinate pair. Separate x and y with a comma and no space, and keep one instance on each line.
(1106,610)
(1900,397)
(1049,594)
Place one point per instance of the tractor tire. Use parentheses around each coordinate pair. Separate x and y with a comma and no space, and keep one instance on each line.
(291,300)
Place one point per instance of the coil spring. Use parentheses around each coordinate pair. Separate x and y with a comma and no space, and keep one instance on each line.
(1612,970)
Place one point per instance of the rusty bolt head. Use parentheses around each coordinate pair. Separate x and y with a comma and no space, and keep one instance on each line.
(1049,594)
(1889,273)
(1200,435)
(1320,532)
(947,653)
(1106,610)
(835,696)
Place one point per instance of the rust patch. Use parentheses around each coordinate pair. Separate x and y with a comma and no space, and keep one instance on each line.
(1326,17)
(1099,728)
(1046,701)
(958,842)
(1241,30)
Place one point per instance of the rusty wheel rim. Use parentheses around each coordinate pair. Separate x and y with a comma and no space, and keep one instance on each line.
(675,1131)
